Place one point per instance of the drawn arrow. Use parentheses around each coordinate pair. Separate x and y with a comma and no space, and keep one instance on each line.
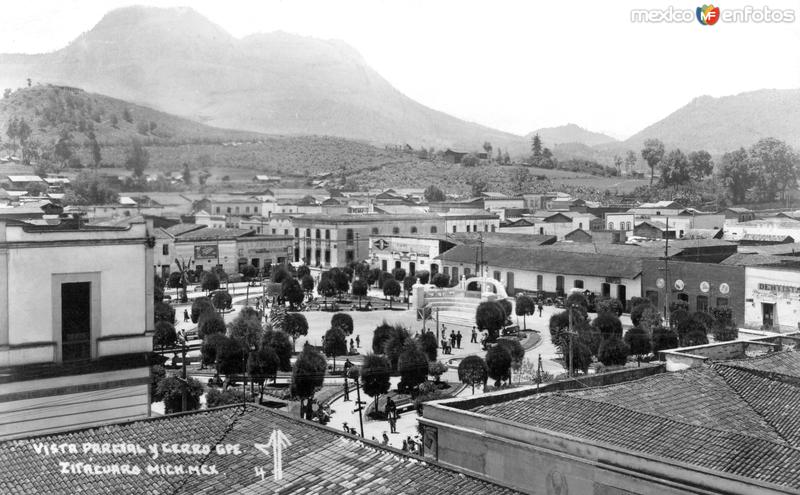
(278,441)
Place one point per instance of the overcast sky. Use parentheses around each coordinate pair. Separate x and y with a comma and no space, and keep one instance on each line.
(512,65)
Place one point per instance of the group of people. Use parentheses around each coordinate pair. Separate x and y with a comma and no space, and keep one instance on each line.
(391,414)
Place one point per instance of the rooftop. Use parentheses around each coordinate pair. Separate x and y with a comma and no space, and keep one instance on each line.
(318,460)
(210,234)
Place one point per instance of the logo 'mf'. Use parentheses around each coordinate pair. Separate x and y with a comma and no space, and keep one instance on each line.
(707,15)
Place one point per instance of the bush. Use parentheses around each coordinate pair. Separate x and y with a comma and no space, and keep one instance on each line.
(200,306)
(498,361)
(610,305)
(472,370)
(613,351)
(164,335)
(344,322)
(216,397)
(221,299)
(638,342)
(170,388)
(412,365)
(428,344)
(436,369)
(441,280)
(210,324)
(663,339)
(608,325)
(279,342)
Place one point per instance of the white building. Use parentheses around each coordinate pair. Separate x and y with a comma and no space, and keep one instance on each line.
(772,296)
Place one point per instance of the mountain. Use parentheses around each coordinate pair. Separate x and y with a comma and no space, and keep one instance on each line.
(718,125)
(179,62)
(570,133)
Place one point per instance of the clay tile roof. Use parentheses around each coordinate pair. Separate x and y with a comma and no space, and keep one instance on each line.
(319,460)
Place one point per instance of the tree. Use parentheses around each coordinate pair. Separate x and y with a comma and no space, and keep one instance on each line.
(374,275)
(157,373)
(359,289)
(472,370)
(63,147)
(295,325)
(507,309)
(380,336)
(653,153)
(776,166)
(434,194)
(280,274)
(375,374)
(613,352)
(261,366)
(221,300)
(700,165)
(487,147)
(137,158)
(199,306)
(515,350)
(663,339)
(209,281)
(412,365)
(725,328)
(490,316)
(525,306)
(441,280)
(469,160)
(164,335)
(737,174)
(428,344)
(334,344)
(292,292)
(391,289)
(693,330)
(326,288)
(171,389)
(536,146)
(344,322)
(581,354)
(308,375)
(126,115)
(187,174)
(246,331)
(424,276)
(436,369)
(218,398)
(210,324)
(89,189)
(278,341)
(230,357)
(477,186)
(307,283)
(610,305)
(395,344)
(618,164)
(630,161)
(608,325)
(674,169)
(578,302)
(637,309)
(498,361)
(408,284)
(638,341)
(249,272)
(163,312)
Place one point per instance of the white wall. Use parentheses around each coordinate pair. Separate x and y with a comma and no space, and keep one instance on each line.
(787,302)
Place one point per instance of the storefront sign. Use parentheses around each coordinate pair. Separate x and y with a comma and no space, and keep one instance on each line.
(778,288)
(660,283)
(381,244)
(724,288)
(202,251)
(613,280)
(704,286)
(679,285)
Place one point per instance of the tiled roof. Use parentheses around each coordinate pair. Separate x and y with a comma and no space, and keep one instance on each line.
(319,460)
(748,259)
(780,363)
(183,228)
(210,234)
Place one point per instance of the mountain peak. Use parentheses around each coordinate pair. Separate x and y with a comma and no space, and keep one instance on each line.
(571,133)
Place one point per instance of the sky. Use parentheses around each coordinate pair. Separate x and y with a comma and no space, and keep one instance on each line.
(515,65)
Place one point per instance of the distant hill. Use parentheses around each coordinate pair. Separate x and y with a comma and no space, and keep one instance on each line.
(178,61)
(50,109)
(723,124)
(568,134)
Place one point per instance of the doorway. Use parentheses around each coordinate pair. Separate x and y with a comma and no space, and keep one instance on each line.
(768,314)
(76,321)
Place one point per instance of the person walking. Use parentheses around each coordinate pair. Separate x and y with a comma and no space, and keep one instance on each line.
(358,341)
(452,338)
(185,315)
(540,309)
(474,339)
(346,391)
(393,421)
(458,339)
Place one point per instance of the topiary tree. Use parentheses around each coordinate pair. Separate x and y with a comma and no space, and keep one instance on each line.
(662,339)
(308,375)
(326,288)
(280,274)
(498,361)
(579,300)
(384,276)
(472,370)
(209,281)
(246,331)
(525,306)
(302,271)
(208,351)
(638,341)
(171,388)
(428,344)
(507,309)
(396,343)
(399,274)
(607,325)
(359,289)
(221,300)
(374,276)
(380,336)
(334,344)
(342,321)
(408,284)
(610,305)
(163,312)
(164,335)
(697,324)
(249,272)
(230,358)
(516,352)
(278,341)
(375,374)
(436,369)
(391,289)
(295,325)
(292,292)
(412,365)
(261,366)
(490,316)
(613,352)
(210,324)
(307,283)
(200,306)
(424,276)
(441,280)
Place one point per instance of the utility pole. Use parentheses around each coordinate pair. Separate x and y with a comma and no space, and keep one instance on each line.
(570,340)
(360,406)
(184,398)
(437,324)
(539,374)
(666,276)
(244,379)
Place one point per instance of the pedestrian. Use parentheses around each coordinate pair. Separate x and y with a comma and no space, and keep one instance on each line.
(412,445)
(352,348)
(185,315)
(358,341)
(540,309)
(393,421)
(346,428)
(388,407)
(474,339)
(452,338)
(458,339)
(385,438)
(347,365)
(404,448)
(346,391)
(352,344)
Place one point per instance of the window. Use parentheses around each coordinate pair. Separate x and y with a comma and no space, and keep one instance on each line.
(496,275)
(414,230)
(610,225)
(474,228)
(395,230)
(486,228)
(285,231)
(493,227)
(317,233)
(702,303)
(348,235)
(247,209)
(237,210)
(327,234)
(580,225)
(454,229)
(375,231)
(228,209)
(541,230)
(680,234)
(349,256)
(683,297)
(273,231)
(454,276)
(627,226)
(467,228)
(217,209)
(560,285)
(446,270)
(578,283)
(722,302)
(539,282)
(165,249)
(434,230)
(327,256)
(466,272)
(308,232)
(297,232)
(76,320)
(255,209)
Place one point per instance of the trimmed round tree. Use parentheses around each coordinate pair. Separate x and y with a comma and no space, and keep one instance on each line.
(262,365)
(374,276)
(279,342)
(525,306)
(662,339)
(498,361)
(335,344)
(292,292)
(441,280)
(577,299)
(164,335)
(375,374)
(436,369)
(613,352)
(249,272)
(307,283)
(199,306)
(515,350)
(359,289)
(428,344)
(399,274)
(221,299)
(382,334)
(610,305)
(391,289)
(209,281)
(296,326)
(326,288)
(308,375)
(608,325)
(342,321)
(472,370)
(638,342)
(490,316)
(424,276)
(412,365)
(210,324)
(507,309)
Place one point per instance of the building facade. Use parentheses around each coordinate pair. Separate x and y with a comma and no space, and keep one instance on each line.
(407,252)
(772,297)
